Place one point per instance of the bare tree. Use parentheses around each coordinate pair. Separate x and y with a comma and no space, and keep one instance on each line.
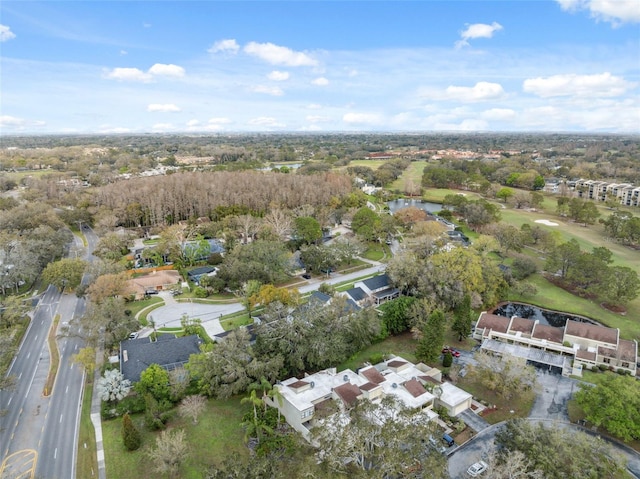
(170,452)
(280,221)
(192,407)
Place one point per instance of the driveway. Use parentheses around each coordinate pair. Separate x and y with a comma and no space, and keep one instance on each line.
(553,396)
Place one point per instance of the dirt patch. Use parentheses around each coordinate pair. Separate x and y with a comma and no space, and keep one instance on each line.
(614,308)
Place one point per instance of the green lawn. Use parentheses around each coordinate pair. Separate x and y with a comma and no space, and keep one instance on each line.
(136,306)
(217,435)
(87,461)
(401,345)
(413,174)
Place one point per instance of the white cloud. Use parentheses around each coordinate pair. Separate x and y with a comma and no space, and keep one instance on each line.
(276,75)
(129,74)
(225,46)
(597,85)
(481,91)
(163,127)
(6,33)
(123,52)
(322,81)
(477,30)
(498,114)
(219,121)
(192,123)
(113,130)
(317,119)
(362,118)
(278,55)
(266,121)
(137,75)
(163,107)
(7,121)
(612,11)
(314,106)
(269,90)
(170,70)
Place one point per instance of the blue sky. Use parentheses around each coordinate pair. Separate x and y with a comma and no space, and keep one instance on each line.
(239,66)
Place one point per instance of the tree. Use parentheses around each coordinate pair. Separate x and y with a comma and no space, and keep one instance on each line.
(130,435)
(366,223)
(318,258)
(555,452)
(583,211)
(12,310)
(508,236)
(86,358)
(279,221)
(108,319)
(107,286)
(255,425)
(66,272)
(613,403)
(430,344)
(504,194)
(506,376)
(268,294)
(563,258)
(249,294)
(155,381)
(395,314)
(170,452)
(307,230)
(192,406)
(113,246)
(620,285)
(523,267)
(462,318)
(112,386)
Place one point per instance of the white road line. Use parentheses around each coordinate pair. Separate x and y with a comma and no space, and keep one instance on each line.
(55,453)
(19,376)
(10,400)
(75,348)
(61,417)
(29,355)
(66,391)
(36,337)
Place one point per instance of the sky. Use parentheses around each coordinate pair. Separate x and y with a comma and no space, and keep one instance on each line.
(85,67)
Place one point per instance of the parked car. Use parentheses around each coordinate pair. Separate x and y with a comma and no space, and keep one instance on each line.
(477,468)
(436,445)
(133,335)
(306,276)
(150,292)
(448,439)
(454,353)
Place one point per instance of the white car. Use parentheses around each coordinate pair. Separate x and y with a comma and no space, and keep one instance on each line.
(477,468)
(133,335)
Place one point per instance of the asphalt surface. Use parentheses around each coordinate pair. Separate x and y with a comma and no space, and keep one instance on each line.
(39,423)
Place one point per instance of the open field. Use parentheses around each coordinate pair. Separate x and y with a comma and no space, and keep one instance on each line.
(217,435)
(413,174)
(373,164)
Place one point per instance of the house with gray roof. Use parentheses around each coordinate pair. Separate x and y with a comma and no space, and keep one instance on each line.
(168,351)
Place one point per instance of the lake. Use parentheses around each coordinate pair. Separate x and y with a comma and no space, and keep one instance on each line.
(423,205)
(545,316)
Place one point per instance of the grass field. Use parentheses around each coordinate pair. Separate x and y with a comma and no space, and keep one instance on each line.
(87,461)
(217,435)
(412,174)
(401,345)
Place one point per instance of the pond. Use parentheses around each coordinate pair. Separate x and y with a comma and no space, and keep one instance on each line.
(405,203)
(545,316)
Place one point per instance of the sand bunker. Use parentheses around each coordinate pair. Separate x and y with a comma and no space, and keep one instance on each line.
(546,222)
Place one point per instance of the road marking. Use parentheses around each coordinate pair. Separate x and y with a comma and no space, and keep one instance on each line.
(55,453)
(29,355)
(76,348)
(10,400)
(71,366)
(61,417)
(66,391)
(19,376)
(36,337)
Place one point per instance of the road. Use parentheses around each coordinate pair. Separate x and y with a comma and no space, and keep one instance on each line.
(39,422)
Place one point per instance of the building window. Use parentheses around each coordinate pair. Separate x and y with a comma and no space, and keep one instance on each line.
(307,413)
(606,360)
(625,365)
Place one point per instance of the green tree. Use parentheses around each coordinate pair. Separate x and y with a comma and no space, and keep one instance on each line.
(538,183)
(430,344)
(563,258)
(86,357)
(620,285)
(64,273)
(307,230)
(155,381)
(366,223)
(462,318)
(130,435)
(504,194)
(395,314)
(613,403)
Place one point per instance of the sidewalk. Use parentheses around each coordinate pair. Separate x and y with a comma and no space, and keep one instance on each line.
(96,418)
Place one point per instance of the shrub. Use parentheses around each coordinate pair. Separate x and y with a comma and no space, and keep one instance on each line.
(447,360)
(603,367)
(376,358)
(130,434)
(200,292)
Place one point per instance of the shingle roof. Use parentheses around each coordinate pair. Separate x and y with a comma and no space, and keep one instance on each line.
(628,350)
(200,271)
(522,325)
(377,282)
(493,322)
(357,294)
(318,296)
(415,388)
(142,353)
(550,333)
(348,392)
(592,331)
(372,374)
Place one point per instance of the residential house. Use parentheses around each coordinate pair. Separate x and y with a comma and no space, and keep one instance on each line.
(304,401)
(566,349)
(197,273)
(168,351)
(375,290)
(154,281)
